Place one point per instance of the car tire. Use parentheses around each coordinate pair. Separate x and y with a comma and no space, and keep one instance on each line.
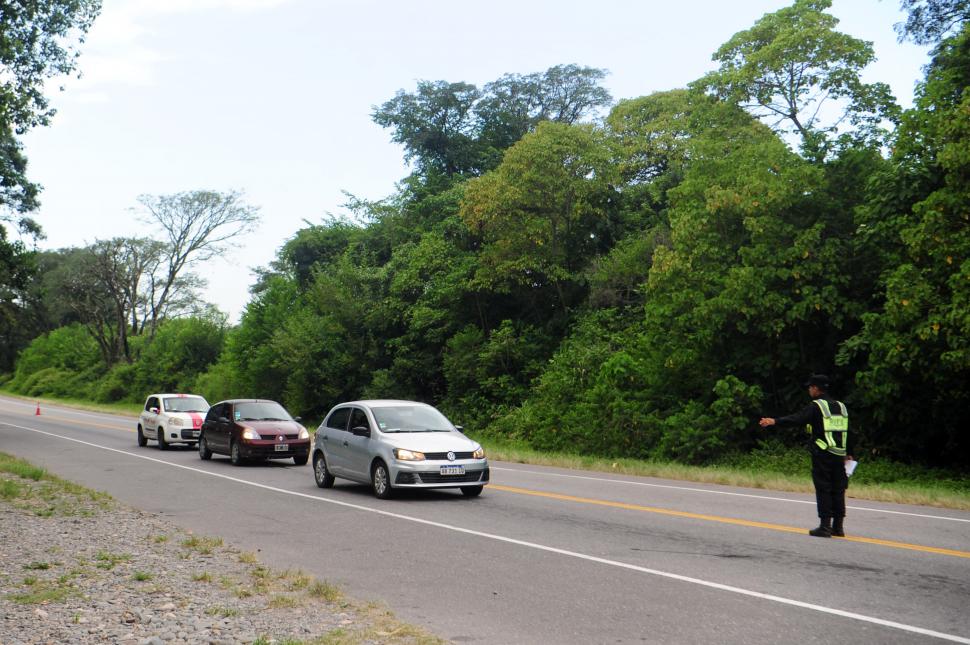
(300,460)
(142,440)
(381,480)
(235,454)
(204,452)
(471,491)
(321,474)
(160,435)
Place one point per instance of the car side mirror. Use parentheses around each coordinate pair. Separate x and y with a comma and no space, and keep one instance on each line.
(460,429)
(360,431)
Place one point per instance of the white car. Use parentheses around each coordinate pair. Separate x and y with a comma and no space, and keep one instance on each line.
(396,444)
(171,418)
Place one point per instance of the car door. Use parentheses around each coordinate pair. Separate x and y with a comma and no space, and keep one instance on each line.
(215,430)
(334,440)
(149,416)
(358,446)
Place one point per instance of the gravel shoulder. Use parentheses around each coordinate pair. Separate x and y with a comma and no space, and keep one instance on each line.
(76,566)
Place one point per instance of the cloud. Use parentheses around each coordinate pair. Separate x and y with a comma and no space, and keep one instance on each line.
(114,52)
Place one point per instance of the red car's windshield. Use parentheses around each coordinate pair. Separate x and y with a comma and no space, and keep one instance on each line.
(261,411)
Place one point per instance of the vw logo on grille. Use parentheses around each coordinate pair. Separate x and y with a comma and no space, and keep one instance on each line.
(451,456)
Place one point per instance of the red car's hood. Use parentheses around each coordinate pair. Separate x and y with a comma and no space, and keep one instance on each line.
(272,428)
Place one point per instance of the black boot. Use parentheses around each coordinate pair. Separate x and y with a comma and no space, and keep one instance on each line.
(824,528)
(837,529)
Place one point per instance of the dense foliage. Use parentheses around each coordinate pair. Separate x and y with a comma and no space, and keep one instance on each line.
(643,285)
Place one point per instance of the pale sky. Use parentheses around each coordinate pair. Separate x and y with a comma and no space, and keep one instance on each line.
(273,97)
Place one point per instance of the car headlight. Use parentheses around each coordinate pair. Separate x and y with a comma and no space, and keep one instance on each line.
(408,455)
(175,421)
(304,434)
(249,434)
(479,454)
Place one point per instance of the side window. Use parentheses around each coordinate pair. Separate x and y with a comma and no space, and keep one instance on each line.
(359,418)
(338,420)
(214,413)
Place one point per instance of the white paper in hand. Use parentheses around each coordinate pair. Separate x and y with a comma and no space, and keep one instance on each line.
(850,467)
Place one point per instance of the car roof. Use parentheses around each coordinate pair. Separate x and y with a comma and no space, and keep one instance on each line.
(175,395)
(383,403)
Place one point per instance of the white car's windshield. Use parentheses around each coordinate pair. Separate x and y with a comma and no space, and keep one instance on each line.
(410,418)
(261,411)
(185,404)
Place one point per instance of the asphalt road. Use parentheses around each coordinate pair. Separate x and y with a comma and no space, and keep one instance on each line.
(548,555)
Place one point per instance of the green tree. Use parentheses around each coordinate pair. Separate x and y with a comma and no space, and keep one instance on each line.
(929,21)
(515,104)
(544,212)
(454,129)
(790,63)
(436,126)
(16,273)
(916,343)
(38,41)
(196,226)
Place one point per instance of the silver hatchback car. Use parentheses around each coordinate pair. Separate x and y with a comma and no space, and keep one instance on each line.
(396,444)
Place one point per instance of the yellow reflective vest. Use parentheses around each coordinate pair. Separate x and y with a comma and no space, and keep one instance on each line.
(835,426)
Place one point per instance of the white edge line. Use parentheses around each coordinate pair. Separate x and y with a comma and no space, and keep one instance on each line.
(541,547)
(723,492)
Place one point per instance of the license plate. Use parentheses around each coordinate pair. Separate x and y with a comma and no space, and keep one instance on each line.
(452,470)
(281,447)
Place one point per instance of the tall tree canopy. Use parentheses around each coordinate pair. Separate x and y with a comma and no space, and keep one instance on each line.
(38,40)
(457,129)
(793,62)
(929,21)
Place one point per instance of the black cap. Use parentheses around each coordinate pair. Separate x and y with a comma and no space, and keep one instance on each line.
(821,381)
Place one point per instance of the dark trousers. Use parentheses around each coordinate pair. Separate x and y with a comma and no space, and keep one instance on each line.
(828,475)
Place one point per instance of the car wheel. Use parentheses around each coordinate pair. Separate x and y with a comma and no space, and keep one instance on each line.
(235,455)
(160,435)
(320,473)
(471,491)
(381,480)
(142,441)
(300,460)
(204,452)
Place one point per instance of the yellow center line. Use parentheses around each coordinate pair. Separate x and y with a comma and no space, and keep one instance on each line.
(722,520)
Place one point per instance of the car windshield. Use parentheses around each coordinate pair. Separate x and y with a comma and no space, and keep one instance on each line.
(261,411)
(410,418)
(185,404)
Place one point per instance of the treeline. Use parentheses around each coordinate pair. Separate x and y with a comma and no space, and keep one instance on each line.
(646,284)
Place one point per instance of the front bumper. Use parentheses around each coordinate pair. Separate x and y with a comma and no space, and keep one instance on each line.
(427,474)
(268,449)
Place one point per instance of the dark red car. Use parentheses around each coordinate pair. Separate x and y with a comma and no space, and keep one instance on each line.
(253,429)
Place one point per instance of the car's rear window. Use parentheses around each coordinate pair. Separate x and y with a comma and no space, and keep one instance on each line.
(410,418)
(185,404)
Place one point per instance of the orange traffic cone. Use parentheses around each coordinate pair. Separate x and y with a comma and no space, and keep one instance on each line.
(37,413)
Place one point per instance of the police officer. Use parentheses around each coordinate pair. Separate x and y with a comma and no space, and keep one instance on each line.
(828,422)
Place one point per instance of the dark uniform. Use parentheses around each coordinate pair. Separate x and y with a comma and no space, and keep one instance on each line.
(828,422)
